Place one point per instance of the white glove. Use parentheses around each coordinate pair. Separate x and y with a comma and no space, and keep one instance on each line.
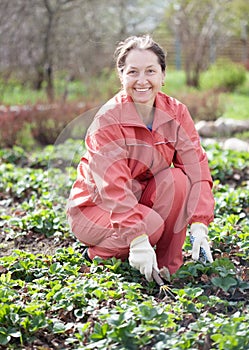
(199,233)
(142,256)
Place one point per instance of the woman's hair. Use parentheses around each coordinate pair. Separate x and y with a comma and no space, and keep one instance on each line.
(144,42)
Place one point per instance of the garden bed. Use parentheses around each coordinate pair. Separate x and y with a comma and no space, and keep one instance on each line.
(51,298)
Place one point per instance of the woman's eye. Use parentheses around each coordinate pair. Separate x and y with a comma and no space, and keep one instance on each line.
(132,72)
(151,71)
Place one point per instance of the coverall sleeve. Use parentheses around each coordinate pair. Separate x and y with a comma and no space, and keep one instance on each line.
(192,159)
(108,165)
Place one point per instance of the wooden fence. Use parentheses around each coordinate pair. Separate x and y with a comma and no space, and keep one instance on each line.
(234,49)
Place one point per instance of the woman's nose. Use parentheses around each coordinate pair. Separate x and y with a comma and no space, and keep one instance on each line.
(142,78)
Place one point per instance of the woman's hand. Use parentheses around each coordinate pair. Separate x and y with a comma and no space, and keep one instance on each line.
(142,256)
(199,233)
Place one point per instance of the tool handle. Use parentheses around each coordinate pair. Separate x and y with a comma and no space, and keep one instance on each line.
(157,278)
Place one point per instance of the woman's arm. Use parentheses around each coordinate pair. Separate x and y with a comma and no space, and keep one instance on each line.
(192,159)
(108,165)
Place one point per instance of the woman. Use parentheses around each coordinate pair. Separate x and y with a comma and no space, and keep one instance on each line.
(145,176)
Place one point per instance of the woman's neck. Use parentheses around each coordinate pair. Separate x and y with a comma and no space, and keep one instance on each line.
(146,113)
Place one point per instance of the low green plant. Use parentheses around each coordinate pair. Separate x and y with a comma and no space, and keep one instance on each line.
(53,297)
(98,308)
(227,165)
(15,155)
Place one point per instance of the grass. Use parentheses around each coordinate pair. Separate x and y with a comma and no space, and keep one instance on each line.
(20,95)
(237,106)
(174,81)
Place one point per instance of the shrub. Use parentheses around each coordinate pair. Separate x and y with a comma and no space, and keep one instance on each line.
(102,87)
(203,105)
(246,65)
(24,137)
(25,126)
(224,75)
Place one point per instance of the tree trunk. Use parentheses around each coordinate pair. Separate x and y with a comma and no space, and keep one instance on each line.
(39,79)
(50,83)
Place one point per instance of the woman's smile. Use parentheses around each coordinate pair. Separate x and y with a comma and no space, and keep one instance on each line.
(142,90)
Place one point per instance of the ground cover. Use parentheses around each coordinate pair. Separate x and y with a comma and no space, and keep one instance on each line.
(51,298)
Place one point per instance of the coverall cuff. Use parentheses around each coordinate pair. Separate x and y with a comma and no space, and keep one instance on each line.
(130,238)
(200,220)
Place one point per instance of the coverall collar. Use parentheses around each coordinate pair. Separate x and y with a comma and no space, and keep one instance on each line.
(130,117)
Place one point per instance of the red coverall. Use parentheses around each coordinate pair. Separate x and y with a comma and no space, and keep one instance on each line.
(133,181)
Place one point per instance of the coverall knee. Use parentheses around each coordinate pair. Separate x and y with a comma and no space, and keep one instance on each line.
(167,195)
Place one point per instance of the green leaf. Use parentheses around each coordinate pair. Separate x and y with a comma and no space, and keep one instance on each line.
(4,338)
(100,331)
(224,283)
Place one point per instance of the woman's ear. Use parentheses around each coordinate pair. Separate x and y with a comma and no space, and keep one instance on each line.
(163,78)
(120,75)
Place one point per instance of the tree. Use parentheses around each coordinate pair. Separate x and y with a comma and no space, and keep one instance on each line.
(28,38)
(240,25)
(197,26)
(41,37)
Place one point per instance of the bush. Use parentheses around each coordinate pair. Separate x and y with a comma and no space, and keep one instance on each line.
(203,105)
(40,124)
(224,75)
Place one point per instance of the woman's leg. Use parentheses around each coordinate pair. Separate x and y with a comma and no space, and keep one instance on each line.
(91,225)
(167,195)
(164,205)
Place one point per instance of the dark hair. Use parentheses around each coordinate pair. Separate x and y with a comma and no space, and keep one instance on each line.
(144,42)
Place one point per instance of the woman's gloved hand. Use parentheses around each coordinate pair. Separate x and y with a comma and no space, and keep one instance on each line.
(199,240)
(142,256)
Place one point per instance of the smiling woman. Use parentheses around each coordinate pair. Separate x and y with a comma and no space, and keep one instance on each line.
(141,67)
(144,176)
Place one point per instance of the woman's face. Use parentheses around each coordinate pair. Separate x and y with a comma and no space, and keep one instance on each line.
(142,76)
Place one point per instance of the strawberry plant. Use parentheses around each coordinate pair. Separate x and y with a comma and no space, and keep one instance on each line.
(228,166)
(52,298)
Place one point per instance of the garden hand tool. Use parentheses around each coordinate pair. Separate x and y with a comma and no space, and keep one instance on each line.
(158,278)
(199,240)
